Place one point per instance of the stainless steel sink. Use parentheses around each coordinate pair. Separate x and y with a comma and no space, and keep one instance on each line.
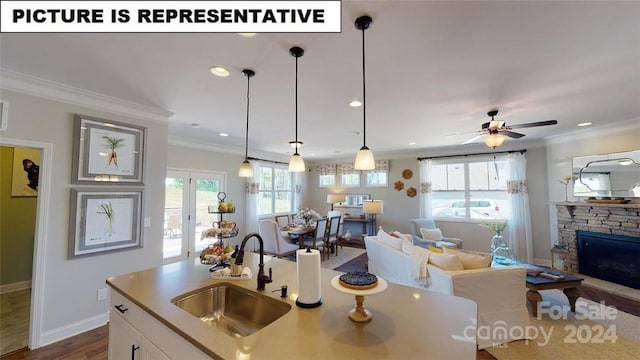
(232,309)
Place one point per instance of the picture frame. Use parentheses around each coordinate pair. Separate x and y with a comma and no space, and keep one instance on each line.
(107,151)
(102,222)
(25,172)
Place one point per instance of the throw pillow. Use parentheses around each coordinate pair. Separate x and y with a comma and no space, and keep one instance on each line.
(431,234)
(446,261)
(471,260)
(434,249)
(407,242)
(389,240)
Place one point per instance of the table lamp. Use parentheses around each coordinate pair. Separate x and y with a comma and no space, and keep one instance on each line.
(334,198)
(372,207)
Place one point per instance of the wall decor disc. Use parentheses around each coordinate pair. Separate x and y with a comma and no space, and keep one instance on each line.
(398,185)
(411,192)
(407,174)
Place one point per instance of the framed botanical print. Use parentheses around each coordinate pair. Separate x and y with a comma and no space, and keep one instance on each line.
(104,221)
(107,151)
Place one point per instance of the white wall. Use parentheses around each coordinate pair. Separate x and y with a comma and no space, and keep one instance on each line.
(68,287)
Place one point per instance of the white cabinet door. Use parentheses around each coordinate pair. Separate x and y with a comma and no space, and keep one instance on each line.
(124,340)
(151,352)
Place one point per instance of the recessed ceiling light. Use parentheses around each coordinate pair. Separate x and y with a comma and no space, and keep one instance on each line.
(247,34)
(412,143)
(585,124)
(195,125)
(355,103)
(219,71)
(223,134)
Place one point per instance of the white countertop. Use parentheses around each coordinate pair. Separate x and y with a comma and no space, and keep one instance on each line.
(407,323)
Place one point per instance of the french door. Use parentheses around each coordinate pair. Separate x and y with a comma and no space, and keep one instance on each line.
(187,197)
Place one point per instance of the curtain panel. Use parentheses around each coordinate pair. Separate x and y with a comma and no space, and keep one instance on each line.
(519,229)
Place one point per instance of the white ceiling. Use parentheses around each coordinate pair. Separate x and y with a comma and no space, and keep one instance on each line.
(433,69)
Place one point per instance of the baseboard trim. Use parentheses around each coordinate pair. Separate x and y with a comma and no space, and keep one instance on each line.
(16,286)
(78,327)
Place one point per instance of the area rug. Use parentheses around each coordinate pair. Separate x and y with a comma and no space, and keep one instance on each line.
(345,254)
(595,331)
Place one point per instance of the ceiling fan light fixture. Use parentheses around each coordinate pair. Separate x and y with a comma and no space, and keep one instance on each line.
(364,157)
(246,170)
(494,140)
(296,163)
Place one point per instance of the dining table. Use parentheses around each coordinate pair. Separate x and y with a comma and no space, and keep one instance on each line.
(294,232)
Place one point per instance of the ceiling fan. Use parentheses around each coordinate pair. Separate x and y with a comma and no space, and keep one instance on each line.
(494,132)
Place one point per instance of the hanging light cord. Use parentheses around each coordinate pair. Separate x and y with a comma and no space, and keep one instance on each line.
(246,139)
(296,105)
(364,99)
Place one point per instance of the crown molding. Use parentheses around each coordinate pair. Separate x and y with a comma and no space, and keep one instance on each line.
(31,85)
(594,132)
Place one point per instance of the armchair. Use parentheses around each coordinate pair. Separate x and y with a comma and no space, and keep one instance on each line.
(425,223)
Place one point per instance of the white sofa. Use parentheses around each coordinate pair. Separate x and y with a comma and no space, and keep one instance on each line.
(498,292)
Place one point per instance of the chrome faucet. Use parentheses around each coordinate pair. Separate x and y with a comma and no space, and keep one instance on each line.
(262,278)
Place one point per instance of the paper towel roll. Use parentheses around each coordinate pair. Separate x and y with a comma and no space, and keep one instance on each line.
(309,281)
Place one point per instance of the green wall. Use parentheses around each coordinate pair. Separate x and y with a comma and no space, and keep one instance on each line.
(17,226)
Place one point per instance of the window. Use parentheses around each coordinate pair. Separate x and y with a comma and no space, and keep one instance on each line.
(349,176)
(469,189)
(327,175)
(276,191)
(378,177)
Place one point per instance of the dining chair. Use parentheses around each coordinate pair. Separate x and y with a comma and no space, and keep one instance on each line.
(283,220)
(273,241)
(319,235)
(333,236)
(333,213)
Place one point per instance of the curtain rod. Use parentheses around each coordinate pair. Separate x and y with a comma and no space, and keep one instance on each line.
(521,151)
(271,161)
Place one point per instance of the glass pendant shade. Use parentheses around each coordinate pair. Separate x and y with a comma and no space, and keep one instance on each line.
(246,170)
(494,140)
(364,159)
(296,163)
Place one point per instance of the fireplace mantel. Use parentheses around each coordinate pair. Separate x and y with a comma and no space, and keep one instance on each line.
(630,205)
(617,219)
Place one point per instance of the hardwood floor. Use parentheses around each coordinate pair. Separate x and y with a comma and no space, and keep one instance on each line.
(93,345)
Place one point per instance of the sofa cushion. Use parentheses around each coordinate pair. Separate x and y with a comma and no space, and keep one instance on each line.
(389,240)
(431,234)
(446,261)
(471,260)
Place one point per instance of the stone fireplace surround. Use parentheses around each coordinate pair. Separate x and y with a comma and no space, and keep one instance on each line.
(617,219)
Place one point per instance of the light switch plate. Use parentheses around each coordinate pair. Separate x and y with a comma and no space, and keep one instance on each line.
(147,222)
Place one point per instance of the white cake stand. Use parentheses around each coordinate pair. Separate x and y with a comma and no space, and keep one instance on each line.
(359,313)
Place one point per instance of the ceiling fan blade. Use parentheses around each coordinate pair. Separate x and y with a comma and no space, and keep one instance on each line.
(534,124)
(472,140)
(511,134)
(466,133)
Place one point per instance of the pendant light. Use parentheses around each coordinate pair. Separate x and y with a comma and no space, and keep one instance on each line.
(246,170)
(364,158)
(296,163)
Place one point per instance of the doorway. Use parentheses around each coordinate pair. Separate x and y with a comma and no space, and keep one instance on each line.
(188,195)
(35,305)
